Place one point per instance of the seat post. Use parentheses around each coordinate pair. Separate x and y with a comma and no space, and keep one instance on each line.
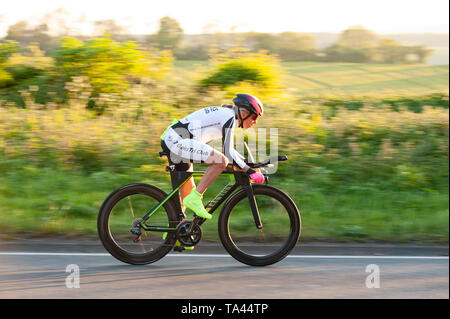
(177,178)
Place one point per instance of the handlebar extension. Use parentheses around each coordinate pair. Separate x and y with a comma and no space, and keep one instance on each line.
(268,161)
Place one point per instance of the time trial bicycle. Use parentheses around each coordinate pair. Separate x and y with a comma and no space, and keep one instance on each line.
(258,224)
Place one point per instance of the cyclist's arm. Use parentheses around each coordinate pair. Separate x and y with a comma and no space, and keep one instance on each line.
(228,147)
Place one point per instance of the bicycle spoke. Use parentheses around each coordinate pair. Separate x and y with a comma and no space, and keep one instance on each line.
(131,207)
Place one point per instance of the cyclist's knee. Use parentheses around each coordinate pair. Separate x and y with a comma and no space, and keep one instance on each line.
(225,162)
(217,158)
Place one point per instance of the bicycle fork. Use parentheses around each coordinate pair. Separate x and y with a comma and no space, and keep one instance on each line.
(254,206)
(245,182)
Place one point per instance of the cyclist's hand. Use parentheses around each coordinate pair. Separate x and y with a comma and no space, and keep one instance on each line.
(257,177)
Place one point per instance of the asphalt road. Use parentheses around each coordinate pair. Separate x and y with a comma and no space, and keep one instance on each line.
(40,269)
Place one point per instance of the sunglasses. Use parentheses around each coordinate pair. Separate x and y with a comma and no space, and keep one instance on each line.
(253,116)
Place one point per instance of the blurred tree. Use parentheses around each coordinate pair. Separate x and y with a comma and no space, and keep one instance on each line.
(110,67)
(240,70)
(391,51)
(293,46)
(25,34)
(357,37)
(421,52)
(169,34)
(295,41)
(358,45)
(17,31)
(262,41)
(31,63)
(6,50)
(109,27)
(340,53)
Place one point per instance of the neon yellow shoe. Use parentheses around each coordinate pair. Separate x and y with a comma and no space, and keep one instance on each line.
(181,247)
(193,201)
(178,244)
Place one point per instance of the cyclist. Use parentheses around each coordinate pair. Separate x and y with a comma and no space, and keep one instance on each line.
(186,139)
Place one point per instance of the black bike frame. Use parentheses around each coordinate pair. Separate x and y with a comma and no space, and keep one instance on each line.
(179,178)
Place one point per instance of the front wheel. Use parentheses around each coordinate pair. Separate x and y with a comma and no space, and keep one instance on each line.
(260,247)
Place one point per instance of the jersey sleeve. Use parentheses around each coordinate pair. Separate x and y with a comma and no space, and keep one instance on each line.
(228,143)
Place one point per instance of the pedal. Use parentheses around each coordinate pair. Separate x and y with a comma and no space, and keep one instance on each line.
(179,248)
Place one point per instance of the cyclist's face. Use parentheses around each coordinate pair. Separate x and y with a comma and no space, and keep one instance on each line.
(250,121)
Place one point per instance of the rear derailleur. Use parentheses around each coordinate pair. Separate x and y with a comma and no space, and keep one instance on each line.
(136,229)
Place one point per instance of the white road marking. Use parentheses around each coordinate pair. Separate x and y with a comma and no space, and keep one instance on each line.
(228,256)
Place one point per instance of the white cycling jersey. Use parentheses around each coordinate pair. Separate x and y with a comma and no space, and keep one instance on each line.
(189,136)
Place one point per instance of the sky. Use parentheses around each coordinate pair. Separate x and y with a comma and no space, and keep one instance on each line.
(142,16)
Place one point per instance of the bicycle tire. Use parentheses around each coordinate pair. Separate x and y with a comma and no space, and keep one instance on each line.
(286,247)
(104,231)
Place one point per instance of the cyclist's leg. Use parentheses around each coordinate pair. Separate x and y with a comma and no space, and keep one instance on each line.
(187,188)
(190,150)
(195,151)
(217,163)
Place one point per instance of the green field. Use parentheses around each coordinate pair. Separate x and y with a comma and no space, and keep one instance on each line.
(311,78)
(366,79)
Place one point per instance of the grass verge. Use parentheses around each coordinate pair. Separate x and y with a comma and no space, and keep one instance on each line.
(49,202)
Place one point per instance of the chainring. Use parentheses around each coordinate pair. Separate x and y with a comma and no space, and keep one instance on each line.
(188,239)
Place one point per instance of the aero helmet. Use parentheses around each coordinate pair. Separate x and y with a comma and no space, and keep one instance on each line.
(249,102)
